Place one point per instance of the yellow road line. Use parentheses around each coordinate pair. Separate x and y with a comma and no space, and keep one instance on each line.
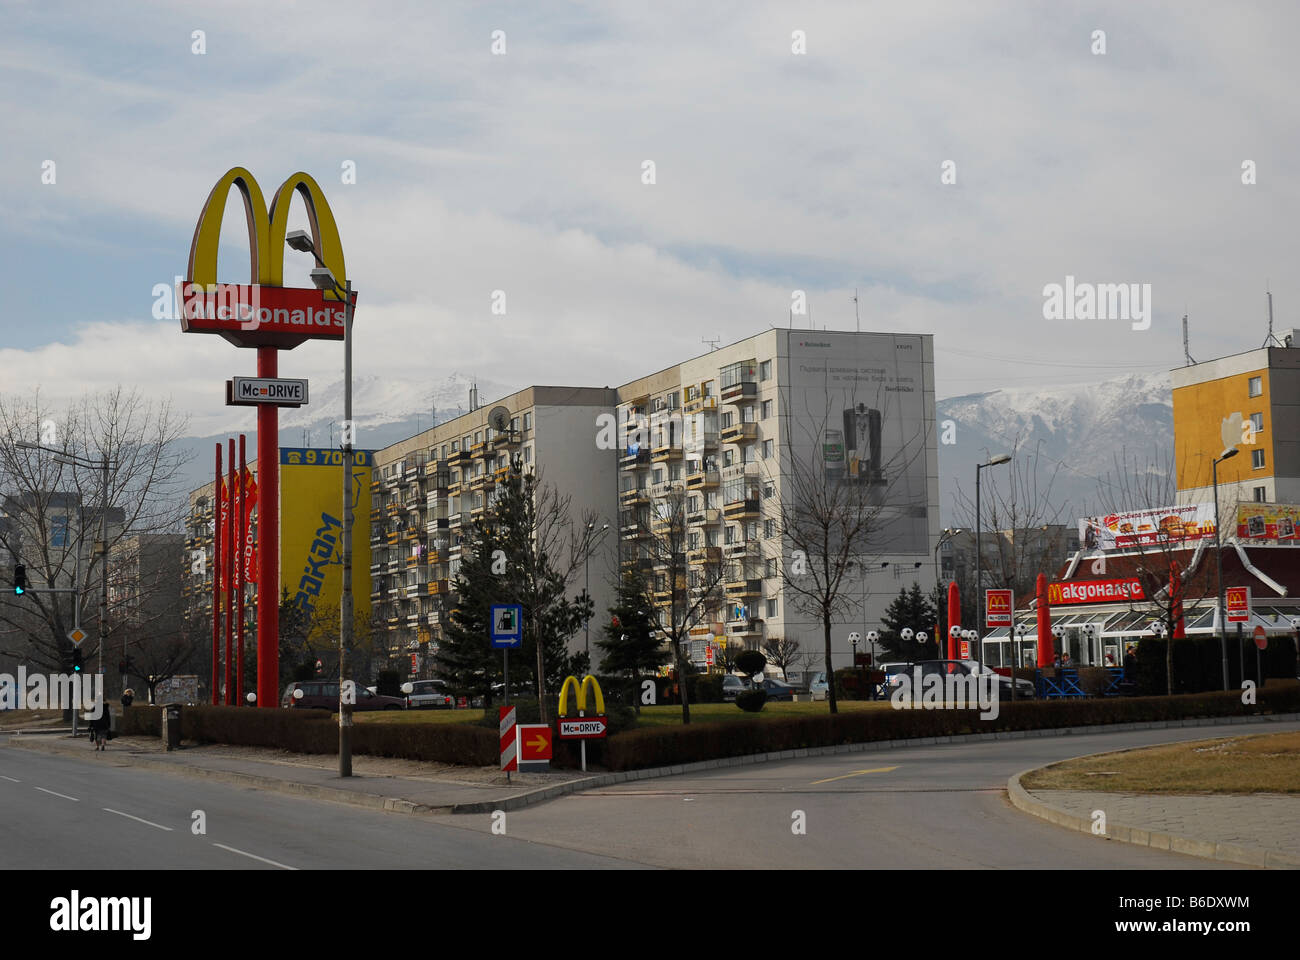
(855,773)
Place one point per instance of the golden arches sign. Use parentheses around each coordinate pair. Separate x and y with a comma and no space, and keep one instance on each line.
(263,312)
(580,695)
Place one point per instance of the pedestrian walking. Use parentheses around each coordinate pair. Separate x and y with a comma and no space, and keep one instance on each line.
(99,727)
(128,697)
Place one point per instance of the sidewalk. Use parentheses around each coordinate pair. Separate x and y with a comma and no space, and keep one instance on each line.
(1261,830)
(380,783)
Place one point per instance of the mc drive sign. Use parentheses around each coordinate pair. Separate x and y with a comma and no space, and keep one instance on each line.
(242,391)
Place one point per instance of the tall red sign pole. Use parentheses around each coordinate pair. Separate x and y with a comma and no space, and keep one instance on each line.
(239,574)
(268,539)
(216,580)
(230,580)
(266,315)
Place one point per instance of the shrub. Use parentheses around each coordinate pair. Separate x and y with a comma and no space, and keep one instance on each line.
(705,689)
(389,683)
(141,721)
(751,662)
(751,701)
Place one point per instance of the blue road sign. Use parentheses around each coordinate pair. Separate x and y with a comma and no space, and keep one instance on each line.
(507,625)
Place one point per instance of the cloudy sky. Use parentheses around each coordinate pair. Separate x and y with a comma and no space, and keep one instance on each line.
(774,171)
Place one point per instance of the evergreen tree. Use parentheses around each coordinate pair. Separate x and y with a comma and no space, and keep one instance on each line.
(466,659)
(631,646)
(911,608)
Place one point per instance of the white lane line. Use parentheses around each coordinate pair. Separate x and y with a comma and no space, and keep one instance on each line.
(10,779)
(254,856)
(63,795)
(137,819)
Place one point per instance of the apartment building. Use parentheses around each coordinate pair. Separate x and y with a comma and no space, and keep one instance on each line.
(734,430)
(427,489)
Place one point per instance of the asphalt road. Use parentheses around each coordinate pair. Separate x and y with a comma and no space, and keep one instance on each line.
(61,812)
(938,807)
(933,807)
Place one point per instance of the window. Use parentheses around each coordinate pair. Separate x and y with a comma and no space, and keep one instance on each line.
(747,415)
(528,421)
(487,434)
(1257,459)
(769,528)
(769,490)
(712,498)
(767,449)
(767,409)
(747,453)
(455,476)
(1261,494)
(712,537)
(771,609)
(1257,421)
(658,475)
(765,370)
(692,504)
(455,446)
(1256,386)
(731,534)
(478,436)
(528,454)
(726,419)
(694,540)
(751,530)
(675,471)
(728,457)
(708,388)
(464,442)
(514,424)
(770,567)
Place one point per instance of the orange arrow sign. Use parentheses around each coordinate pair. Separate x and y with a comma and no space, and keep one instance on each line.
(538,742)
(534,742)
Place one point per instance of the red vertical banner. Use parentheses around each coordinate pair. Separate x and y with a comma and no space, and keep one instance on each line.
(231,550)
(216,580)
(239,575)
(250,545)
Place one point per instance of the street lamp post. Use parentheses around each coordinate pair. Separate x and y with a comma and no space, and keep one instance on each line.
(1218,563)
(324,279)
(979,557)
(586,565)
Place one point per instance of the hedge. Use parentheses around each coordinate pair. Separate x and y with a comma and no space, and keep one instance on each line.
(315,731)
(667,746)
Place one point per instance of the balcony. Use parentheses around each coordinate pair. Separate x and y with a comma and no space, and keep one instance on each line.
(481,482)
(665,452)
(631,461)
(376,595)
(391,538)
(479,449)
(376,514)
(750,627)
(509,438)
(390,482)
(699,404)
(704,480)
(454,521)
(666,488)
(740,391)
(412,561)
(742,509)
(634,496)
(393,508)
(744,549)
(477,512)
(740,433)
(744,588)
(393,566)
(376,569)
(704,555)
(413,590)
(705,517)
(438,588)
(455,488)
(500,474)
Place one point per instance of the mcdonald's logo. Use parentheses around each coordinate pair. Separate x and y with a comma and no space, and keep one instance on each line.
(580,694)
(263,312)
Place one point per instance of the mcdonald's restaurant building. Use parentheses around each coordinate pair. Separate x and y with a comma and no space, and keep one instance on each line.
(1111,592)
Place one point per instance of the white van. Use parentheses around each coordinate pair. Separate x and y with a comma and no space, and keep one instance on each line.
(818,688)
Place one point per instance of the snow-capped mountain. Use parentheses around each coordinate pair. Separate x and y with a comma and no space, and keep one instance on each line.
(1083,428)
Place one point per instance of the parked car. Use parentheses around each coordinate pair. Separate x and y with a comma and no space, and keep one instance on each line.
(427,694)
(818,688)
(732,685)
(776,690)
(324,695)
(1024,688)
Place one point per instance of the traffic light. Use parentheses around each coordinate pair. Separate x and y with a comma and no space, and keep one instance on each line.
(76,660)
(20,580)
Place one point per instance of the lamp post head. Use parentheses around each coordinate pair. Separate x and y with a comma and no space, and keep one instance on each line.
(300,240)
(323,279)
(1229,453)
(994,461)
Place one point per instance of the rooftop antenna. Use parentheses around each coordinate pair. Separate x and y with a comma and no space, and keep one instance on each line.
(1187,355)
(1270,336)
(857,321)
(713,343)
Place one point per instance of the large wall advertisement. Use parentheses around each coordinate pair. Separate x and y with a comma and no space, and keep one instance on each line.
(311,526)
(857,409)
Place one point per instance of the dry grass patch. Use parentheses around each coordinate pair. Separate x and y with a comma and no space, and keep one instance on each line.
(1260,763)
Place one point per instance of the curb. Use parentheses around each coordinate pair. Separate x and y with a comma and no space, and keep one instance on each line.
(1026,802)
(541,795)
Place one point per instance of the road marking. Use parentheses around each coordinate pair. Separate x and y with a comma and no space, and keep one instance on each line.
(63,795)
(254,856)
(10,779)
(137,819)
(855,773)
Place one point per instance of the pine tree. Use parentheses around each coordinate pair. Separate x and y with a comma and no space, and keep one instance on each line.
(631,646)
(911,608)
(466,659)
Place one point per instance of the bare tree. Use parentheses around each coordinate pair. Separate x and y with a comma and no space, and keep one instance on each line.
(784,652)
(685,581)
(52,509)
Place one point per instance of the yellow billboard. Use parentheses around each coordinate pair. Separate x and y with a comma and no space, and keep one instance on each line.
(311,528)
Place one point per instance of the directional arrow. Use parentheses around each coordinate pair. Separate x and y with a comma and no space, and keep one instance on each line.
(538,742)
